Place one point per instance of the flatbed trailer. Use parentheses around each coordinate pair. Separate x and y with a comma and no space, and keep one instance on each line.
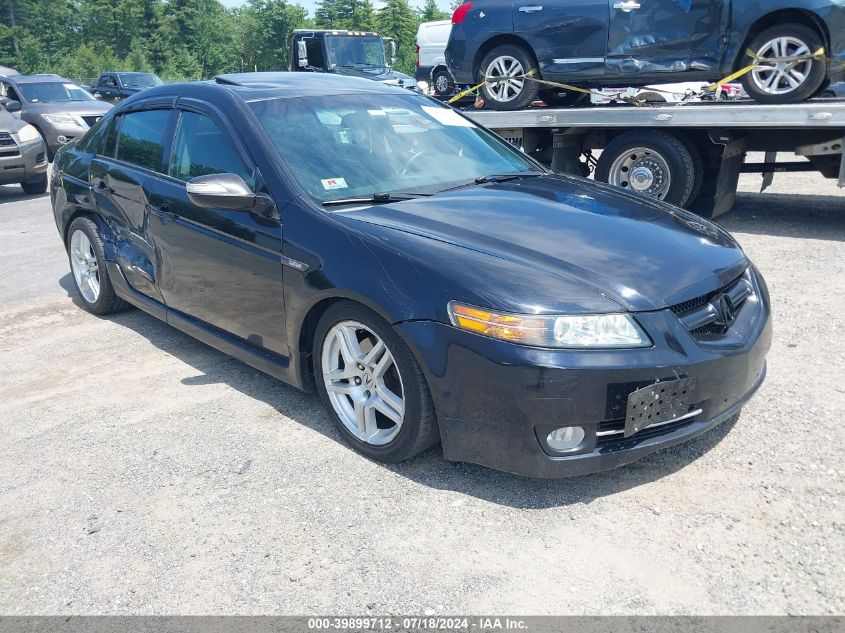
(690,155)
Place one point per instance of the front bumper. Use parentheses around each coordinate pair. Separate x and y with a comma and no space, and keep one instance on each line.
(23,162)
(496,402)
(57,136)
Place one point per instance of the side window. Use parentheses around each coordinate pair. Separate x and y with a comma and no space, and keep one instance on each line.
(200,148)
(314,49)
(111,82)
(12,94)
(140,136)
(92,142)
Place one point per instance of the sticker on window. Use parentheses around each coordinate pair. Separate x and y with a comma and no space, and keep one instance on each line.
(377,112)
(70,86)
(445,116)
(334,183)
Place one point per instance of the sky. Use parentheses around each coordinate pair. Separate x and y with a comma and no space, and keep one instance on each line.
(309,4)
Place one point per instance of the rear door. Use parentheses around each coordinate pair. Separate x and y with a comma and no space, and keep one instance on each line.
(122,179)
(569,37)
(217,266)
(652,37)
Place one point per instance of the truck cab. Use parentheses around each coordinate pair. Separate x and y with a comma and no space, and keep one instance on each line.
(354,53)
(116,86)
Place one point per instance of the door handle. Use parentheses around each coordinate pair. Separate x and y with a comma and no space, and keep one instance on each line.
(627,6)
(531,8)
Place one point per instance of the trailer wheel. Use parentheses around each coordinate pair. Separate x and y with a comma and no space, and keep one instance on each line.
(442,83)
(654,164)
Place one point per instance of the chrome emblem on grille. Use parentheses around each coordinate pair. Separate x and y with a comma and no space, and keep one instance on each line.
(725,310)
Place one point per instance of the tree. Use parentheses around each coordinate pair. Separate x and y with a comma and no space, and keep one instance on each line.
(431,12)
(399,21)
(355,15)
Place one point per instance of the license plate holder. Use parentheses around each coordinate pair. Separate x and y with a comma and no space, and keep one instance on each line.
(657,403)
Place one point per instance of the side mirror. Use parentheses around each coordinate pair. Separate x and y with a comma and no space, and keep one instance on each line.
(12,106)
(392,45)
(301,54)
(225,191)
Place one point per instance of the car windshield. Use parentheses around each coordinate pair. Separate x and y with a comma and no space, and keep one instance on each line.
(53,92)
(134,80)
(355,51)
(343,146)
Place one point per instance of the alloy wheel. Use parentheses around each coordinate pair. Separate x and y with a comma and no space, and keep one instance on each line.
(363,383)
(643,171)
(83,263)
(441,84)
(778,77)
(503,73)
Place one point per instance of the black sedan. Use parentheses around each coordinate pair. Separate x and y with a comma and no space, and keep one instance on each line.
(431,282)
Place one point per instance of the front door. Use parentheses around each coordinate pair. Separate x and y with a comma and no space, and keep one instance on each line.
(652,37)
(569,37)
(217,266)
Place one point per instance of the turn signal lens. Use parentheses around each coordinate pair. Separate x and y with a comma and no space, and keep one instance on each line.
(591,331)
(461,12)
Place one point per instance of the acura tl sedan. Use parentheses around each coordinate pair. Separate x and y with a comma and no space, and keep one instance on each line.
(432,283)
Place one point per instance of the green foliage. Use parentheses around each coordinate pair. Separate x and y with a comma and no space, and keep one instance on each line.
(431,12)
(184,39)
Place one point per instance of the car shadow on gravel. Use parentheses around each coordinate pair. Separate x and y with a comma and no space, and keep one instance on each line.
(787,215)
(429,468)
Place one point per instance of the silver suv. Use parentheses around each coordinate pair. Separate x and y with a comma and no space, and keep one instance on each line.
(60,109)
(23,157)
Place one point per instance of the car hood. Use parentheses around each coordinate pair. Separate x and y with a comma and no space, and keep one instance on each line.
(384,75)
(72,107)
(641,254)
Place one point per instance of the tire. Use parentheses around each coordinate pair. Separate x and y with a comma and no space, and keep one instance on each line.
(799,39)
(510,57)
(443,83)
(105,301)
(385,441)
(663,160)
(35,186)
(50,153)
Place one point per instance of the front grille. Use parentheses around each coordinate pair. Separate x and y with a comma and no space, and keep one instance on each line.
(714,313)
(41,158)
(91,120)
(6,140)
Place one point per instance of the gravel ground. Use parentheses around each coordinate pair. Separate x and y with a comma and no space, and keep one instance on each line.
(143,472)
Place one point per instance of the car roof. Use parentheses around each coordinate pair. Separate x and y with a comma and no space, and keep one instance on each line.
(35,79)
(264,85)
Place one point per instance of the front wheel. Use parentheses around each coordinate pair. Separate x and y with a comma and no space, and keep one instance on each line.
(776,81)
(504,68)
(654,164)
(443,83)
(371,385)
(35,186)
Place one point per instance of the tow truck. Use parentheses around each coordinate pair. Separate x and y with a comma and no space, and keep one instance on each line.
(354,53)
(689,154)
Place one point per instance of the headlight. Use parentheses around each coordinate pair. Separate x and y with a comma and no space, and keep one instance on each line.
(592,331)
(27,133)
(61,119)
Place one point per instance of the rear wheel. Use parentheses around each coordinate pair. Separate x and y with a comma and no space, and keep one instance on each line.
(442,83)
(35,186)
(506,88)
(774,81)
(88,265)
(654,164)
(371,384)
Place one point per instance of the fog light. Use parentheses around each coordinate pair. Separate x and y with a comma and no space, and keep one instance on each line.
(565,439)
(61,138)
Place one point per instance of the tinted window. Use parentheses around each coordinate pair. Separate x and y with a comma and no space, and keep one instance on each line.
(139,140)
(93,139)
(200,148)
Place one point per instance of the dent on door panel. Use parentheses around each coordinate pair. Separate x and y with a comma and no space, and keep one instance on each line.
(666,36)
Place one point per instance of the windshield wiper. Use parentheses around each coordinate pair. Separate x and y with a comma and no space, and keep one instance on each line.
(376,198)
(482,180)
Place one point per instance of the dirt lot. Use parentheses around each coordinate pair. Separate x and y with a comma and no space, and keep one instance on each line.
(143,472)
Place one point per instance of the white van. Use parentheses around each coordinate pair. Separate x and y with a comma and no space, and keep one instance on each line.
(431,62)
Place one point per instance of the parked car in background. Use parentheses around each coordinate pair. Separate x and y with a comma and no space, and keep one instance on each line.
(430,281)
(23,157)
(621,43)
(431,56)
(58,108)
(116,86)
